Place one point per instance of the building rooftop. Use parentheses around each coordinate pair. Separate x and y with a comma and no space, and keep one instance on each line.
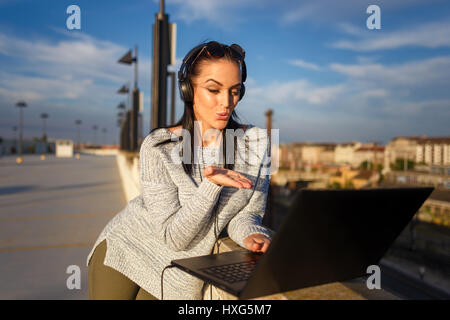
(435,140)
(364,174)
(425,139)
(362,149)
(441,195)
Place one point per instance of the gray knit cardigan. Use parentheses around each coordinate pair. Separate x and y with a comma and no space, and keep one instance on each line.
(173,217)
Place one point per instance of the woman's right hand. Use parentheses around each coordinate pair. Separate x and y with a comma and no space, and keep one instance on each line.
(227,177)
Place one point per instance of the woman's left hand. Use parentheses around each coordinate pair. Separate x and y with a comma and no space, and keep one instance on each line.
(257,242)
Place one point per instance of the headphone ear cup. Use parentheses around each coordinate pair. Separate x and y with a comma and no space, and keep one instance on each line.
(180,89)
(185,90)
(242,92)
(188,93)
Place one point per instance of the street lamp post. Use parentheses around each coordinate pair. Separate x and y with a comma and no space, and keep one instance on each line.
(44,134)
(120,122)
(104,135)
(172,97)
(124,90)
(20,105)
(95,127)
(125,132)
(129,59)
(269,216)
(78,123)
(164,49)
(14,128)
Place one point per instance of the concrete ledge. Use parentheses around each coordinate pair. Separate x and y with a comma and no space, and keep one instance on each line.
(128,165)
(350,290)
(99,152)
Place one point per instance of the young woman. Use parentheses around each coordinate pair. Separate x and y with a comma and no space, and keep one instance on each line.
(186,203)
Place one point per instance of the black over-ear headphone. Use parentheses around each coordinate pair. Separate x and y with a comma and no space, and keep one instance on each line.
(184,84)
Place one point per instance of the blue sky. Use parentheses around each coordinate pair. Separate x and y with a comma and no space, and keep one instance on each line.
(314,63)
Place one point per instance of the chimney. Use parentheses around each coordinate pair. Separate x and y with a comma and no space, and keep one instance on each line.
(269,121)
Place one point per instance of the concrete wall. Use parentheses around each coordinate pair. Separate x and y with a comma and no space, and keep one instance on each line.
(100,152)
(129,173)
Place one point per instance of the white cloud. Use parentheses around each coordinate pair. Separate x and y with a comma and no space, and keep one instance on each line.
(224,14)
(296,92)
(367,59)
(303,64)
(430,35)
(250,82)
(351,29)
(41,88)
(80,56)
(374,93)
(75,77)
(405,109)
(11,97)
(374,102)
(304,11)
(73,68)
(334,12)
(411,75)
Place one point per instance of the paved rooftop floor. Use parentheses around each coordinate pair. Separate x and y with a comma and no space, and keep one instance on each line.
(51,212)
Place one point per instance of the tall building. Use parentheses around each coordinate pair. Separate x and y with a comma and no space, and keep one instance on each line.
(427,150)
(433,151)
(400,148)
(343,154)
(373,154)
(314,153)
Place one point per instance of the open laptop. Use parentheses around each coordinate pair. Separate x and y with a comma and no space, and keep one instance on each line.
(327,236)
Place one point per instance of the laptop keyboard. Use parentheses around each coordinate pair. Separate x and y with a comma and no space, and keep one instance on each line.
(232,272)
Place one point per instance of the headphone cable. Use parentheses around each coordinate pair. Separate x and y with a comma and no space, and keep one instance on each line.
(216,227)
(162,281)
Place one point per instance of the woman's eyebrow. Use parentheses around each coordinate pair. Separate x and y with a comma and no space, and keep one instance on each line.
(235,85)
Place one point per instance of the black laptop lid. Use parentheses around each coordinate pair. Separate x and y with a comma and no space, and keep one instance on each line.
(333,235)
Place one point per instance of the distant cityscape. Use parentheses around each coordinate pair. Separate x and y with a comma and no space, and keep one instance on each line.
(402,161)
(419,154)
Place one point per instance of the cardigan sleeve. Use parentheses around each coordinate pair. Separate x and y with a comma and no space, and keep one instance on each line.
(248,220)
(173,224)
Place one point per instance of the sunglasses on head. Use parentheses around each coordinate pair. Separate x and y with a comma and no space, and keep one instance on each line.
(216,49)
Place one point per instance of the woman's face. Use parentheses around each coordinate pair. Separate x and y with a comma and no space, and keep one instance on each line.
(216,90)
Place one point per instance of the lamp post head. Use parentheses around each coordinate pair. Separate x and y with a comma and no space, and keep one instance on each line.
(127,58)
(123,90)
(21,104)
